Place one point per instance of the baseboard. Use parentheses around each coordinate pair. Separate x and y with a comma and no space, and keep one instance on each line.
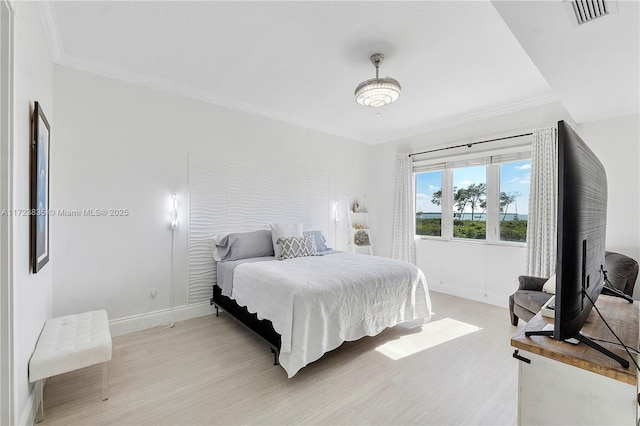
(140,322)
(492,298)
(28,416)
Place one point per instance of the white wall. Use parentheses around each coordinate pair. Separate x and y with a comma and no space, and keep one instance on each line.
(616,142)
(494,278)
(32,304)
(477,271)
(120,145)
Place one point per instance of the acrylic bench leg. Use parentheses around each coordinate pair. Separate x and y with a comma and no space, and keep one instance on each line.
(105,381)
(40,413)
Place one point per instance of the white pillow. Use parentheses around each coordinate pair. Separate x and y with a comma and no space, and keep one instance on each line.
(214,242)
(550,285)
(279,230)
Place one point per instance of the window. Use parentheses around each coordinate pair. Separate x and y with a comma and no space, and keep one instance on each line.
(428,204)
(515,179)
(470,202)
(481,199)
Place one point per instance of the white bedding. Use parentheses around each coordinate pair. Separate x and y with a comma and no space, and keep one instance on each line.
(317,303)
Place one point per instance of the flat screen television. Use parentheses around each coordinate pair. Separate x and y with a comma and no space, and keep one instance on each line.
(581,225)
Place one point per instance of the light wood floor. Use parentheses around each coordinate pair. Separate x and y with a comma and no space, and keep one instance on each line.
(212,371)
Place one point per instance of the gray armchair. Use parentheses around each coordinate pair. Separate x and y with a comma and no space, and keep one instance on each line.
(622,272)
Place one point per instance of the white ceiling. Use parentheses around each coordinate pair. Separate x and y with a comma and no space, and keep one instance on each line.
(594,69)
(300,62)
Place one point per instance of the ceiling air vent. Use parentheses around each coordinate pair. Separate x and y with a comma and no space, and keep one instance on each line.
(584,11)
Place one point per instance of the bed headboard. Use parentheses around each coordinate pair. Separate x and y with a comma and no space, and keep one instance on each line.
(235,197)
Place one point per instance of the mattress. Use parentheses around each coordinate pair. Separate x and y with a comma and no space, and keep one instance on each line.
(317,303)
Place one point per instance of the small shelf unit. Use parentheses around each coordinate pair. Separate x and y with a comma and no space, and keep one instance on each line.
(359,232)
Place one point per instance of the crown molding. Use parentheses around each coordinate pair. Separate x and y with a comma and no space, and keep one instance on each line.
(51,29)
(119,73)
(459,120)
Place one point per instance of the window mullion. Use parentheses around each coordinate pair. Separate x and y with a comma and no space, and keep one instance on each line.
(447,204)
(493,203)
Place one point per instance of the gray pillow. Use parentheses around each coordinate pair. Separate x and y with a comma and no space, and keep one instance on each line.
(244,245)
(321,242)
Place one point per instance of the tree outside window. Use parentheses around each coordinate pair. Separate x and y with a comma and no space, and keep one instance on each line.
(515,180)
(470,202)
(428,204)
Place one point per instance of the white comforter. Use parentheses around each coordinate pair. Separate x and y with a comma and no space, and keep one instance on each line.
(317,303)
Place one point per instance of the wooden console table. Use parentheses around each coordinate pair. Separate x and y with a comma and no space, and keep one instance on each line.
(575,384)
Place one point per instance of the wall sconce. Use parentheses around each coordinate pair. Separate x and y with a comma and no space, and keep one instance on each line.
(174,212)
(336,211)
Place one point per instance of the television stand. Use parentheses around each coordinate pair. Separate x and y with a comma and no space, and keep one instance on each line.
(584,339)
(573,384)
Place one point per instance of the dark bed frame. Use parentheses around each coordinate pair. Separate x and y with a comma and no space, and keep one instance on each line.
(263,328)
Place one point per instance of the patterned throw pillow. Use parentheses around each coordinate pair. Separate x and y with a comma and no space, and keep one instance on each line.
(297,246)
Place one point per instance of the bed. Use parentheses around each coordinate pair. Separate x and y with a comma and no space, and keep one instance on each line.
(305,306)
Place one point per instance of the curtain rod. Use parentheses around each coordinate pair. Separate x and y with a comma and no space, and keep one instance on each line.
(469,145)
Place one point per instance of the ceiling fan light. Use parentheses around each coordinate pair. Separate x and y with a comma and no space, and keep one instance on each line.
(377,92)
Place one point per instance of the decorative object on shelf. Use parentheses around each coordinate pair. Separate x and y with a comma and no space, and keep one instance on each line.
(361,238)
(358,227)
(39,190)
(377,92)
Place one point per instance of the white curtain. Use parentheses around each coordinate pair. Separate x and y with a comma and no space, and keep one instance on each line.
(543,204)
(403,213)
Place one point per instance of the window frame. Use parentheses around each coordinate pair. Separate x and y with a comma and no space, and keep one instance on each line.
(492,160)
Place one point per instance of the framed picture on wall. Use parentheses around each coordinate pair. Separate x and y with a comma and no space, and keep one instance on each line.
(39,190)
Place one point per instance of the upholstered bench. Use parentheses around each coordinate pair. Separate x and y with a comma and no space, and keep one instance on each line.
(70,343)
